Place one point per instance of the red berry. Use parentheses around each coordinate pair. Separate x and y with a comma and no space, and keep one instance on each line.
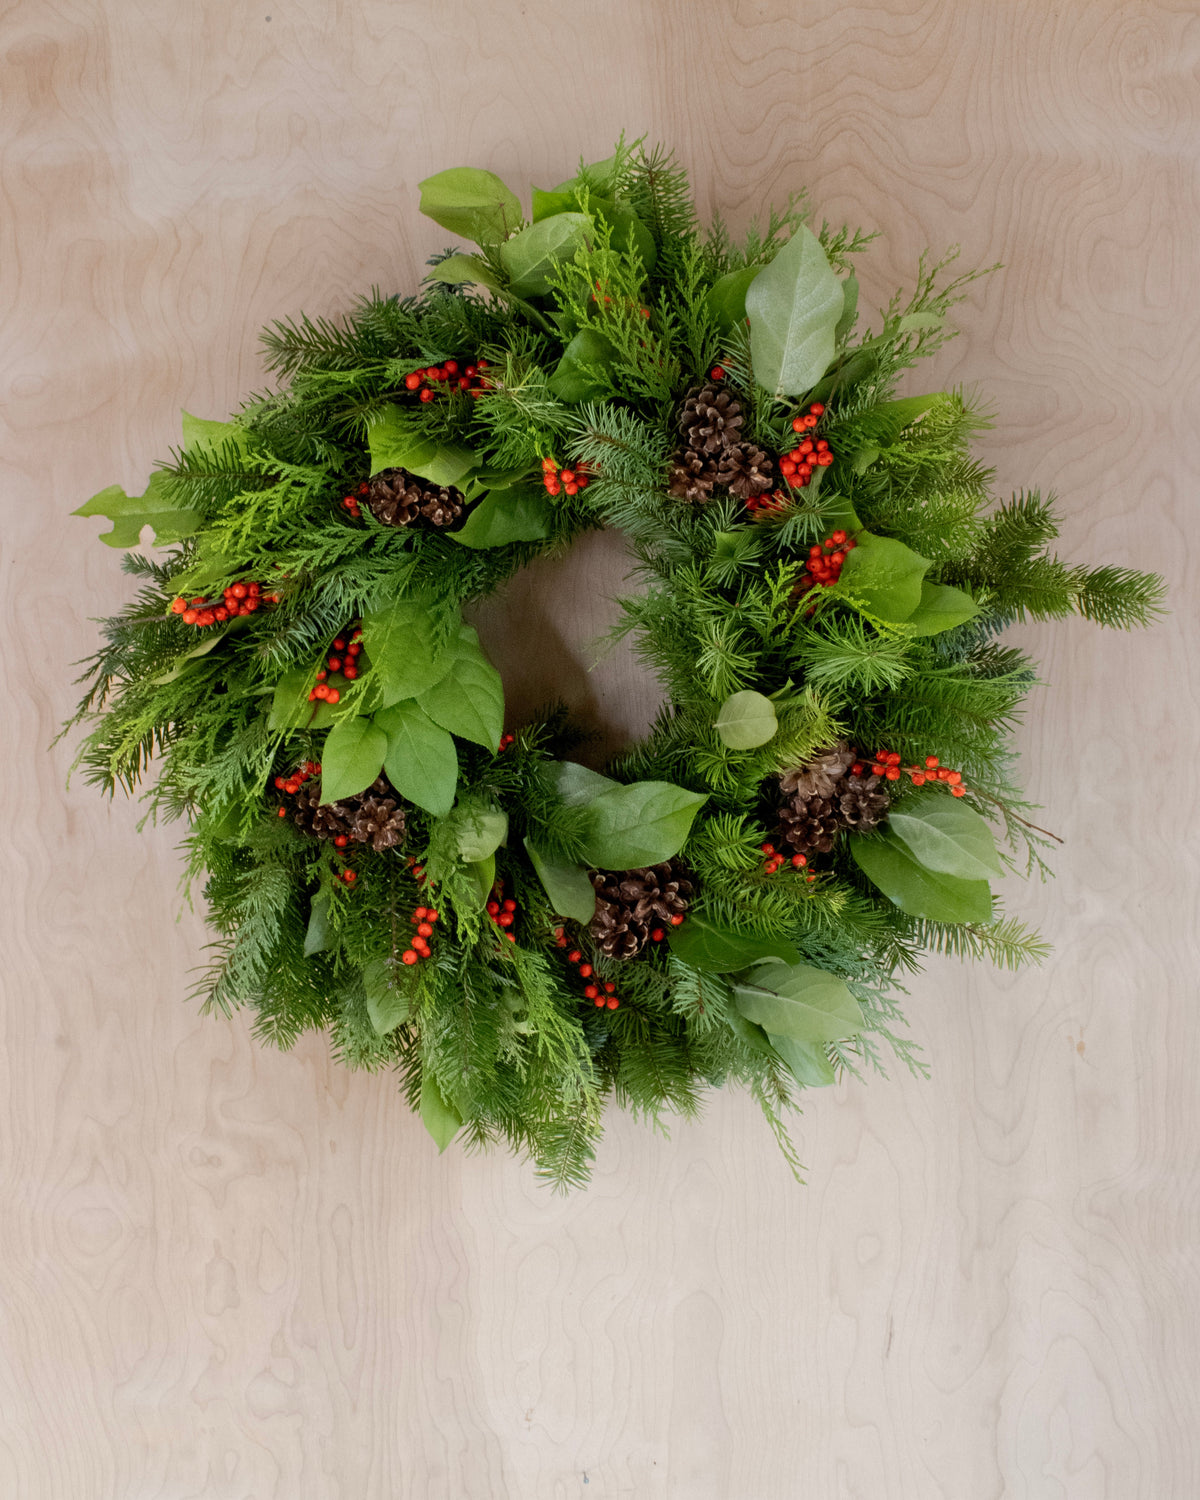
(349,876)
(412,381)
(958,791)
(599,1002)
(918,779)
(431,915)
(892,773)
(586,970)
(592,991)
(451,367)
(190,617)
(613,1002)
(717,372)
(657,935)
(408,957)
(341,841)
(493,908)
(954,778)
(332,695)
(797,424)
(283,812)
(574,956)
(426,394)
(425,930)
(178,606)
(676,919)
(817,409)
(768,848)
(798,861)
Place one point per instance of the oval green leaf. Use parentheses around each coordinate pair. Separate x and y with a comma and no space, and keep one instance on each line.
(471,202)
(465,270)
(798,1001)
(641,824)
(531,255)
(469,699)
(406,650)
(583,372)
(886,575)
(746,720)
(386,1005)
(441,1119)
(351,759)
(396,444)
(941,608)
(942,833)
(806,1061)
(520,514)
(727,298)
(794,305)
(715,949)
(886,863)
(567,886)
(421,761)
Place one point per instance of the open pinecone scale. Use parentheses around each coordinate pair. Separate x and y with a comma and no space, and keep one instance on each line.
(398,498)
(372,817)
(633,904)
(823,799)
(714,454)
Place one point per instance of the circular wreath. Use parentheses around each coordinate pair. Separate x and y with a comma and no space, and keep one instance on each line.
(824,578)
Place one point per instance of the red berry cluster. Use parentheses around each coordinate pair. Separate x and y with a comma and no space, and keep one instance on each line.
(422,919)
(505,741)
(887,764)
(825,559)
(503,911)
(292,784)
(809,454)
(570,480)
(452,376)
(418,869)
(344,660)
(776,861)
(601,992)
(351,503)
(239,599)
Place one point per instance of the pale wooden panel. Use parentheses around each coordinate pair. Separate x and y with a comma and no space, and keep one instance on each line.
(235,1274)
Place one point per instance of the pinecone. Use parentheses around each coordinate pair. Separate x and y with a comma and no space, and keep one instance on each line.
(745,470)
(629,903)
(322,822)
(819,794)
(820,776)
(711,420)
(692,477)
(810,824)
(863,803)
(397,498)
(373,816)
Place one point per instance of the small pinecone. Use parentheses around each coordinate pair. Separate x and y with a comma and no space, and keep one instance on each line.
(379,820)
(745,470)
(322,822)
(397,498)
(692,477)
(711,420)
(809,825)
(812,816)
(863,803)
(629,903)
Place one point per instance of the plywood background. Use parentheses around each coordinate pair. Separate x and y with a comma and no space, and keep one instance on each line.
(237,1275)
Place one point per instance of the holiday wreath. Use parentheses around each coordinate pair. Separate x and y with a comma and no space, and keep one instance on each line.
(824,577)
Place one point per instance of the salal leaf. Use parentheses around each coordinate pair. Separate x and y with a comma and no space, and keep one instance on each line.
(570,891)
(794,305)
(559,201)
(708,946)
(440,1117)
(887,863)
(469,699)
(943,833)
(798,1001)
(530,256)
(727,297)
(644,823)
(519,514)
(886,575)
(890,418)
(290,706)
(941,608)
(583,372)
(154,507)
(466,270)
(482,873)
(351,758)
(749,1033)
(471,202)
(746,720)
(387,1006)
(406,648)
(597,176)
(806,1061)
(421,761)
(201,436)
(849,310)
(481,831)
(577,784)
(316,937)
(396,444)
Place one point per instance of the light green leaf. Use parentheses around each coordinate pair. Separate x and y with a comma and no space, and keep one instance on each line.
(290,706)
(798,1001)
(746,720)
(155,508)
(531,255)
(720,950)
(483,874)
(386,1005)
(466,270)
(547,204)
(582,374)
(886,863)
(570,890)
(469,700)
(941,608)
(749,1033)
(895,416)
(396,444)
(794,305)
(406,651)
(727,298)
(520,514)
(351,759)
(943,833)
(442,1120)
(806,1061)
(577,784)
(201,436)
(917,322)
(849,311)
(212,639)
(316,938)
(471,202)
(644,823)
(629,234)
(421,761)
(481,832)
(886,575)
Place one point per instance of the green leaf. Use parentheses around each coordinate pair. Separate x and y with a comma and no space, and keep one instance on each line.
(290,706)
(720,950)
(749,1034)
(644,823)
(316,938)
(582,374)
(351,759)
(576,784)
(520,514)
(155,508)
(481,832)
(483,874)
(794,305)
(943,833)
(466,270)
(629,234)
(896,415)
(471,202)
(886,863)
(396,444)
(941,608)
(849,311)
(469,700)
(798,1001)
(568,887)
(406,651)
(201,436)
(886,575)
(386,1005)
(530,256)
(916,322)
(746,720)
(561,201)
(421,761)
(442,1120)
(727,298)
(596,175)
(806,1061)
(212,639)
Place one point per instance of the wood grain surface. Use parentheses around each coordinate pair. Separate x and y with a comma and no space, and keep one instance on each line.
(242,1275)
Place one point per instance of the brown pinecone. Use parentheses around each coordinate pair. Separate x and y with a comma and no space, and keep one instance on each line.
(863,803)
(711,420)
(809,825)
(630,903)
(745,470)
(692,477)
(322,821)
(379,820)
(397,498)
(820,776)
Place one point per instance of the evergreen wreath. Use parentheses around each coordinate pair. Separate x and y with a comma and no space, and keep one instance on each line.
(738,899)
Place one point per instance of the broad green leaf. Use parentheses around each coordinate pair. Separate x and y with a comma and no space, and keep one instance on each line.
(886,575)
(483,874)
(465,270)
(352,758)
(746,720)
(201,436)
(582,374)
(290,706)
(471,202)
(597,176)
(406,650)
(837,514)
(547,204)
(916,322)
(316,938)
(896,415)
(944,834)
(806,1061)
(386,1005)
(720,950)
(155,508)
(520,514)
(798,1001)
(749,1033)
(469,700)
(886,863)
(212,639)
(849,311)
(481,832)
(794,305)
(421,761)
(570,891)
(442,1120)
(727,298)
(629,234)
(576,784)
(396,444)
(530,256)
(941,608)
(641,824)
